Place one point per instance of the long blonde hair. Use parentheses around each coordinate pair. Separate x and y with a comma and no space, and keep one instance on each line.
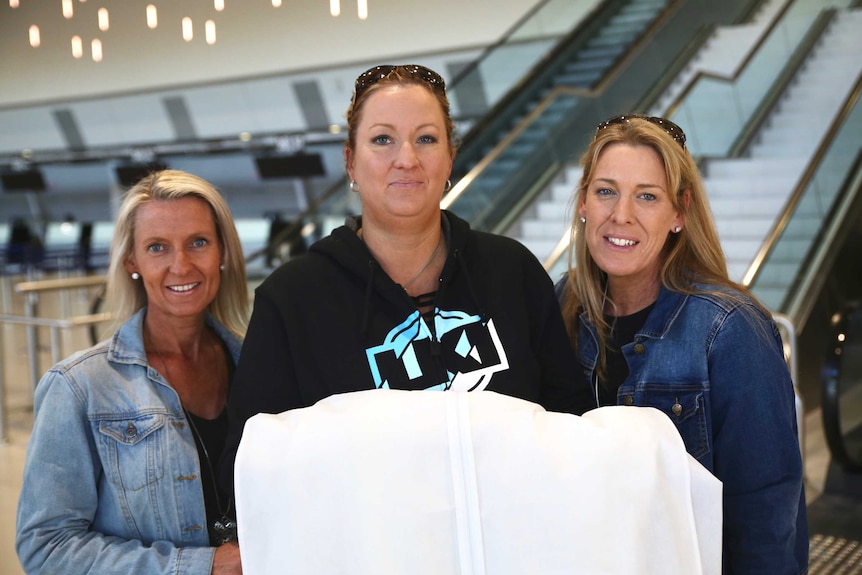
(693,256)
(126,296)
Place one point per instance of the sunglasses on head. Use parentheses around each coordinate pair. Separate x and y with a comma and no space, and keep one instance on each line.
(377,73)
(672,129)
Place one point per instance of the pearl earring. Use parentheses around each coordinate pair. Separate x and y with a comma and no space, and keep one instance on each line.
(583,220)
(677,229)
(136,276)
(354,187)
(221,267)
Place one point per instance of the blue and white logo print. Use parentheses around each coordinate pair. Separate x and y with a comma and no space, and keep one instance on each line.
(470,349)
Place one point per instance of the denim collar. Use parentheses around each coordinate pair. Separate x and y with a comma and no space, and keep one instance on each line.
(127,344)
(658,323)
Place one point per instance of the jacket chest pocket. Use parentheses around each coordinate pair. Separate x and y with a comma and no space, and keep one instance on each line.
(686,407)
(133,450)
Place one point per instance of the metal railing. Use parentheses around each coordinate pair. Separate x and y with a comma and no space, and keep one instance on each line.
(32,289)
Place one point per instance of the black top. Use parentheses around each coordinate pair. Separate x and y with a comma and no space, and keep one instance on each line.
(213,433)
(623,330)
(332,321)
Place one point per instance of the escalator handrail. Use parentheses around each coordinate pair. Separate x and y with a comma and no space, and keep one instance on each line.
(728,78)
(837,222)
(592,93)
(831,392)
(523,125)
(541,69)
(501,42)
(537,71)
(808,174)
(779,87)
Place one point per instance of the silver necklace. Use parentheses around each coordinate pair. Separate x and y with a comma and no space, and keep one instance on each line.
(425,266)
(224,527)
(409,282)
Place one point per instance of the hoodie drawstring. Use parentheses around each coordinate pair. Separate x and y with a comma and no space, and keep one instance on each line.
(372,268)
(472,292)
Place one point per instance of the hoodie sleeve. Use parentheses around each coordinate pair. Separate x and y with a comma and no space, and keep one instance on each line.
(264,381)
(564,387)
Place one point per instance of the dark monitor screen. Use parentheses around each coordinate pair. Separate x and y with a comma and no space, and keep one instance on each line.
(24,181)
(130,175)
(294,166)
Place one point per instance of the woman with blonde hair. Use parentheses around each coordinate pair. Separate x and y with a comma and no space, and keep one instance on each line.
(656,321)
(120,468)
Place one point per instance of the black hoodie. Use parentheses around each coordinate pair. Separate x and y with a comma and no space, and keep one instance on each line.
(333,321)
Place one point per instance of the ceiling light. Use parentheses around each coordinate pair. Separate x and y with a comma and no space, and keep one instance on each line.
(362,9)
(335,7)
(96,46)
(68,9)
(35,40)
(77,47)
(188,33)
(152,16)
(210,32)
(103,19)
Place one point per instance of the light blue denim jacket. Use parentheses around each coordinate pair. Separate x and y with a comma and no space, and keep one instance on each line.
(718,372)
(112,477)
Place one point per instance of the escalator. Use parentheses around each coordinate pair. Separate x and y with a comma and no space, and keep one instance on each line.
(607,65)
(835,517)
(552,91)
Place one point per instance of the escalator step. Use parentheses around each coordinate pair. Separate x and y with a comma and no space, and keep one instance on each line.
(600,52)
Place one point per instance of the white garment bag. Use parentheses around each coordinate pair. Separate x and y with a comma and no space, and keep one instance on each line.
(397,482)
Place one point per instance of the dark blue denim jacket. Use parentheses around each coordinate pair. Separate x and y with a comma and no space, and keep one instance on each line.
(718,371)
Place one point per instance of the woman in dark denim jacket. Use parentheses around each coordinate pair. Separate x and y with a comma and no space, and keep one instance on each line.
(656,321)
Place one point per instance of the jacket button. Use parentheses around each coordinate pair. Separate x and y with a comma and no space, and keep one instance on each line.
(628,400)
(131,430)
(639,348)
(676,408)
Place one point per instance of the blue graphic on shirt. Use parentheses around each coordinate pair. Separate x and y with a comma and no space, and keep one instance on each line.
(470,349)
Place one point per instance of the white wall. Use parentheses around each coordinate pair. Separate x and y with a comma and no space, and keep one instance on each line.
(254,39)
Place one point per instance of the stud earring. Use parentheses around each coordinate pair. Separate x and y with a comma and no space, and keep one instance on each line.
(354,187)
(221,267)
(583,220)
(677,229)
(136,276)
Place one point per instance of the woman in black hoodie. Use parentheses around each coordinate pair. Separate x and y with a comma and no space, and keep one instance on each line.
(405,296)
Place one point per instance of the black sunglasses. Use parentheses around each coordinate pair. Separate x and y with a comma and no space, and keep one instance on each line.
(672,129)
(377,73)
